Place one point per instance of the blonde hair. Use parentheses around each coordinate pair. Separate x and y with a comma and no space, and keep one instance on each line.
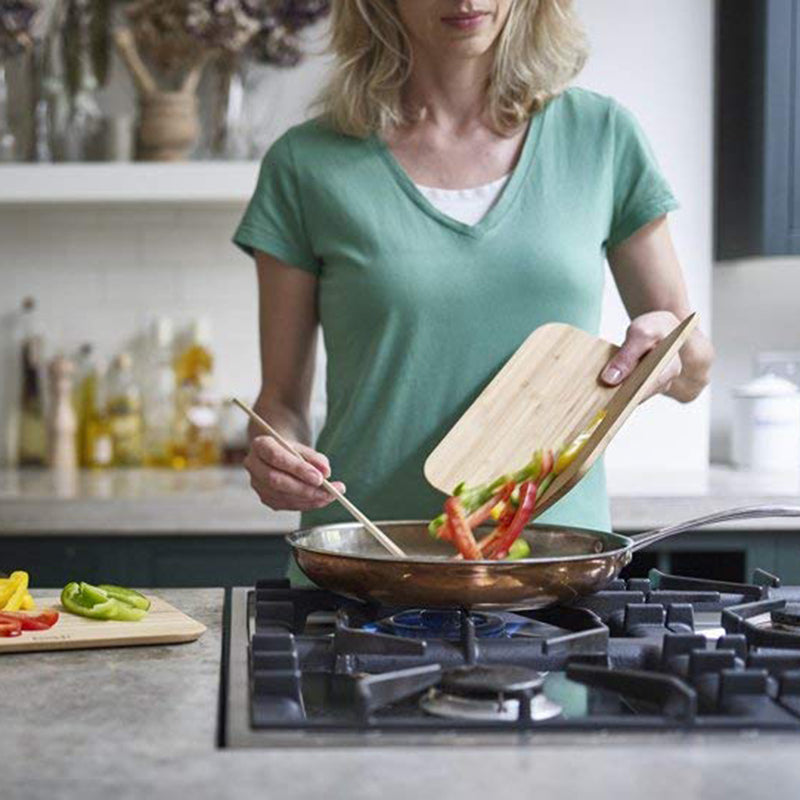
(539,51)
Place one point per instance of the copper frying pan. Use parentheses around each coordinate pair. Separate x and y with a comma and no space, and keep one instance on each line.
(565,563)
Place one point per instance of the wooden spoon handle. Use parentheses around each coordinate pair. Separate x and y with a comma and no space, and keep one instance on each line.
(379,535)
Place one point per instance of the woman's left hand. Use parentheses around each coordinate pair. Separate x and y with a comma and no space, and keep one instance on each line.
(683,378)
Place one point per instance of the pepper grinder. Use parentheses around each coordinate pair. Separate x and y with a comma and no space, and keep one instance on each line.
(62,425)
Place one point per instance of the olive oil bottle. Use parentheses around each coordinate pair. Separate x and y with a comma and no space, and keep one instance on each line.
(124,409)
(198,441)
(95,448)
(159,397)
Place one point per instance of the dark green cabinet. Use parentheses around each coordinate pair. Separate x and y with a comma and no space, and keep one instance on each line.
(757,128)
(153,561)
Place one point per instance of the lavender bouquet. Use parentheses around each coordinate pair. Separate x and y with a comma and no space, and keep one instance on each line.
(276,41)
(177,33)
(18,21)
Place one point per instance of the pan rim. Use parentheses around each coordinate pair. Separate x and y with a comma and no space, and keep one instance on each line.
(294,541)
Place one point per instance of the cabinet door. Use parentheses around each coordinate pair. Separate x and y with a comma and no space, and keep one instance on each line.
(758,128)
(793,110)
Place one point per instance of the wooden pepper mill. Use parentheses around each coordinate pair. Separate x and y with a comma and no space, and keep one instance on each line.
(168,119)
(62,425)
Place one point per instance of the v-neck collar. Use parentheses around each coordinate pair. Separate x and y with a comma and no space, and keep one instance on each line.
(504,201)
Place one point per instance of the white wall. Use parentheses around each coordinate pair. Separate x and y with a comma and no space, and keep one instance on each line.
(756,308)
(657,59)
(100,274)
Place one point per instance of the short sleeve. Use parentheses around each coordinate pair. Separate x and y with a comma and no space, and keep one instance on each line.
(641,193)
(274,222)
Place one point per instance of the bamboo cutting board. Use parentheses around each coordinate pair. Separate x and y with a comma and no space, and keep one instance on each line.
(164,624)
(544,396)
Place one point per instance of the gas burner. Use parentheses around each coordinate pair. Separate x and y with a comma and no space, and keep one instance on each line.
(418,623)
(451,706)
(491,693)
(769,623)
(787,618)
(491,679)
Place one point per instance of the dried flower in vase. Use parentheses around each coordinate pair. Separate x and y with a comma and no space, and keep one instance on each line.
(18,23)
(177,34)
(280,20)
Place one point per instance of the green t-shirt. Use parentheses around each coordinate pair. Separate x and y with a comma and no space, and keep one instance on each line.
(418,310)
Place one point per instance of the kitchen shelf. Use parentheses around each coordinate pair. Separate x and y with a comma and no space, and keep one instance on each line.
(127,183)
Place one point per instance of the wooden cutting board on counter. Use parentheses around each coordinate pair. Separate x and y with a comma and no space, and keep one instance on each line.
(164,624)
(545,395)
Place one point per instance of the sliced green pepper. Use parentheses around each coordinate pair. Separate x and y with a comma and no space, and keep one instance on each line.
(520,549)
(129,596)
(91,601)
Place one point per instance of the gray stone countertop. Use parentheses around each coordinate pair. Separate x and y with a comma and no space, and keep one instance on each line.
(219,501)
(140,722)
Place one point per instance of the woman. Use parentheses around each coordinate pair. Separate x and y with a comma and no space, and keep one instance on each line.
(452,197)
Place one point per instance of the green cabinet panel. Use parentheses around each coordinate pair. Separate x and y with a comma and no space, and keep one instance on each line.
(153,561)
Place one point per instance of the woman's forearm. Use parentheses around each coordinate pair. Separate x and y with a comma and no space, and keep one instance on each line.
(651,283)
(290,421)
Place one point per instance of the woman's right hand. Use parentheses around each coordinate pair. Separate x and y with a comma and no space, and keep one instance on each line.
(285,482)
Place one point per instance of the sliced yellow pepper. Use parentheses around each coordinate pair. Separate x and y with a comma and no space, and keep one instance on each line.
(568,453)
(7,588)
(28,603)
(19,588)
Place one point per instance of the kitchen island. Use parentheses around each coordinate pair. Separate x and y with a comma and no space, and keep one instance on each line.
(141,722)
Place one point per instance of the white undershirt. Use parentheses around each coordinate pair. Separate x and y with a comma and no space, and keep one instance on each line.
(466,205)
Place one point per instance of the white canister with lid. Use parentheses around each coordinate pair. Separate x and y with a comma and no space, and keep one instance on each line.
(766,430)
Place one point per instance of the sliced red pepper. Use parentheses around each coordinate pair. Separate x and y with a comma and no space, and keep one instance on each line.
(445,532)
(498,548)
(42,621)
(462,533)
(10,627)
(479,515)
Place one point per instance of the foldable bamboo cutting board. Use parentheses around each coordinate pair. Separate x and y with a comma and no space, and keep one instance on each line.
(164,624)
(545,395)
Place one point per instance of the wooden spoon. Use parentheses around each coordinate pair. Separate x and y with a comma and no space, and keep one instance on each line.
(544,396)
(370,526)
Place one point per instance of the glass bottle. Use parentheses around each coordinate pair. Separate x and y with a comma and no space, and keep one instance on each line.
(51,110)
(198,442)
(98,445)
(32,431)
(159,396)
(124,409)
(84,400)
(8,141)
(83,136)
(194,363)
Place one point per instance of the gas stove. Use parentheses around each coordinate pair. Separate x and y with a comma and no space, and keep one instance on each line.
(308,667)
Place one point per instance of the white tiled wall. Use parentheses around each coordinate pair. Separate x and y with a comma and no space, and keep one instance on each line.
(100,274)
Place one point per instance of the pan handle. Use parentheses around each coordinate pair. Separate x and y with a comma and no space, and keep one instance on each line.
(642,540)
